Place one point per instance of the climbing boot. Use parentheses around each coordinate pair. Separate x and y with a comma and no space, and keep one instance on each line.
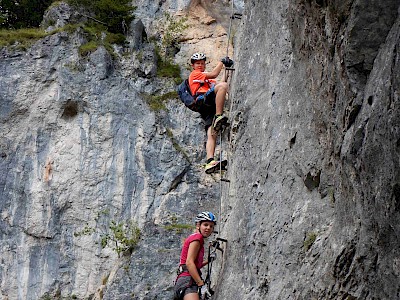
(215,165)
(219,122)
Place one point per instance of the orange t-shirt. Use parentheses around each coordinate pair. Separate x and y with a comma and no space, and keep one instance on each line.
(196,78)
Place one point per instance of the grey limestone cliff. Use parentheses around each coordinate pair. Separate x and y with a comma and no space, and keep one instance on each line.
(81,147)
(312,207)
(312,210)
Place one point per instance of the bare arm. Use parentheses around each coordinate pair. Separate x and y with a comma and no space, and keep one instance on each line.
(214,73)
(193,251)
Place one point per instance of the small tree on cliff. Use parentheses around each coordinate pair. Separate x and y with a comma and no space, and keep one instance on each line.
(114,14)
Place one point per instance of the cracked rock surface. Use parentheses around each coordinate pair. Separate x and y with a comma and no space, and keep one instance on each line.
(312,205)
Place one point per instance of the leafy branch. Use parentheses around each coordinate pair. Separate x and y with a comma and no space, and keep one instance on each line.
(173,30)
(121,237)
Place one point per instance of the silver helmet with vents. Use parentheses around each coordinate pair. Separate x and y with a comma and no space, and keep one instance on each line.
(198,56)
(206,216)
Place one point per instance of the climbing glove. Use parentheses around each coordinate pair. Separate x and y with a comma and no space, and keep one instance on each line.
(227,62)
(204,293)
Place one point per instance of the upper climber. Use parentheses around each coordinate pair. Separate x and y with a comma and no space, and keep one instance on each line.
(211,95)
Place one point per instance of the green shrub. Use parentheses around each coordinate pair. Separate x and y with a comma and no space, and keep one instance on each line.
(87,230)
(166,68)
(175,226)
(97,36)
(114,14)
(114,38)
(107,21)
(172,29)
(70,28)
(154,103)
(121,237)
(22,13)
(166,96)
(179,228)
(157,102)
(88,48)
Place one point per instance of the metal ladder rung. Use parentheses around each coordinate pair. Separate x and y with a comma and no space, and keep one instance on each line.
(236,16)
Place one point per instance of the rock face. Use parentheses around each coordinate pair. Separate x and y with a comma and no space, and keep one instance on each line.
(79,147)
(82,147)
(312,207)
(311,211)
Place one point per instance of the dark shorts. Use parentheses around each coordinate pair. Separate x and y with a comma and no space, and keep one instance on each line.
(207,110)
(186,283)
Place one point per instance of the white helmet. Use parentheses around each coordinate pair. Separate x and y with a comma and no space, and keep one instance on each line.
(206,216)
(198,56)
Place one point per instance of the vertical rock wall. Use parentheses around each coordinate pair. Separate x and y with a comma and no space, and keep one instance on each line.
(81,148)
(312,208)
(312,205)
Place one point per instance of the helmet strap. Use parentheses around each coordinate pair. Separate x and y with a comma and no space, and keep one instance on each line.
(199,228)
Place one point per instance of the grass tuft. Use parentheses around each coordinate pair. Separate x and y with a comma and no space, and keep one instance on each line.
(22,38)
(157,102)
(88,48)
(179,228)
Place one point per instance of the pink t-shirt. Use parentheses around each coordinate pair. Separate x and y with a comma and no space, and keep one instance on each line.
(185,249)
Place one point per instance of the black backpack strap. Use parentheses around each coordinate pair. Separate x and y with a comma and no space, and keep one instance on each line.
(195,106)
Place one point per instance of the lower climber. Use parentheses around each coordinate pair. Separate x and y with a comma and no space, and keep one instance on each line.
(212,95)
(189,285)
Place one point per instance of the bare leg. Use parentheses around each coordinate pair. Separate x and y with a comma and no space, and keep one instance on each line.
(191,296)
(220,92)
(211,142)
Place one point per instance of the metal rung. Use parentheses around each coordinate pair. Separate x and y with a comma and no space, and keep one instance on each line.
(222,240)
(236,16)
(225,179)
(230,69)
